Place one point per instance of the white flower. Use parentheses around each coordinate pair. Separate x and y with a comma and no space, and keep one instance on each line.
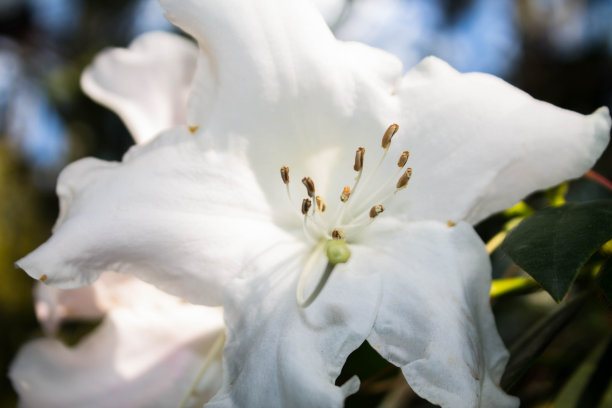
(152,349)
(147,351)
(202,207)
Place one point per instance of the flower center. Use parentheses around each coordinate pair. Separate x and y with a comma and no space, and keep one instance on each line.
(357,207)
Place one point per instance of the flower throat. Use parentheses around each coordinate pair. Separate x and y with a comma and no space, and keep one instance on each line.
(330,233)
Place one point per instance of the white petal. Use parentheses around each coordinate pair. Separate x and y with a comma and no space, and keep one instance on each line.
(147,84)
(282,81)
(279,355)
(331,10)
(434,320)
(479,145)
(54,305)
(111,291)
(136,358)
(175,214)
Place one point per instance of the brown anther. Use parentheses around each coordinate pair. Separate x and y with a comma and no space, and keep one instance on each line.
(310,188)
(346,193)
(285,174)
(404,179)
(306,204)
(359,159)
(450,223)
(43,277)
(320,204)
(377,209)
(338,234)
(193,129)
(391,131)
(403,159)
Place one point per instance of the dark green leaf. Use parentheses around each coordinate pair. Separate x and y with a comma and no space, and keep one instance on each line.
(553,244)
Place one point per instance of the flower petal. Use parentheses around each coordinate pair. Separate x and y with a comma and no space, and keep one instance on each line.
(137,358)
(283,82)
(280,355)
(479,145)
(174,213)
(434,320)
(147,84)
(112,290)
(53,305)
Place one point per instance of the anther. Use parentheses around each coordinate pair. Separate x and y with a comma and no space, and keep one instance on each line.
(403,159)
(359,159)
(320,203)
(346,193)
(310,187)
(391,131)
(375,210)
(306,204)
(403,180)
(338,234)
(285,174)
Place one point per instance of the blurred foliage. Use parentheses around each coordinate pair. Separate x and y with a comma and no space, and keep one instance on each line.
(22,227)
(49,52)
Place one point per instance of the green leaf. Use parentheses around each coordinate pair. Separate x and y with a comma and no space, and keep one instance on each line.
(553,244)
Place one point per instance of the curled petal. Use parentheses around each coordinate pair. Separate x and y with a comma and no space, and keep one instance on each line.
(484,144)
(147,84)
(434,320)
(280,355)
(175,214)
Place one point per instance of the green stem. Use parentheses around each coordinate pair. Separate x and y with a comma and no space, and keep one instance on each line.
(512,286)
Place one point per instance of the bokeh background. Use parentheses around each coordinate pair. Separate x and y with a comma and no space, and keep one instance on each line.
(557,50)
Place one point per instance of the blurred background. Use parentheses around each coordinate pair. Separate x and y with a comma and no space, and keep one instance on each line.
(556,50)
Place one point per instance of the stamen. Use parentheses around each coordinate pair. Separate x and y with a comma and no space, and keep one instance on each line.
(403,159)
(377,209)
(359,154)
(310,187)
(306,203)
(346,193)
(284,171)
(403,181)
(320,204)
(389,133)
(338,234)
